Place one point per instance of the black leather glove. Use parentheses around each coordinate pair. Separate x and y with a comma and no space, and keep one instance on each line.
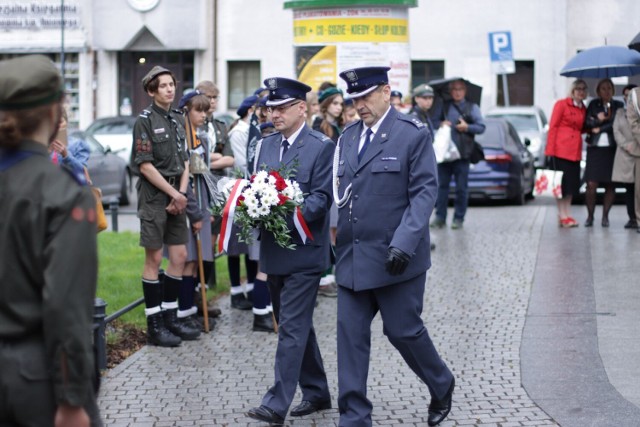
(397,261)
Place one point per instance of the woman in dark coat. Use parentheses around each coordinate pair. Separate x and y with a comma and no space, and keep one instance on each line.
(601,149)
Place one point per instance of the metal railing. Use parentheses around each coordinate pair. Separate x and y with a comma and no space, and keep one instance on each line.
(100,318)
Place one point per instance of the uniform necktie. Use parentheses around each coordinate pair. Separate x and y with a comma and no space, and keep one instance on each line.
(285,147)
(367,140)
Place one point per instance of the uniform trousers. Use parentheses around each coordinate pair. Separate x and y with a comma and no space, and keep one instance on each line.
(298,359)
(400,307)
(26,387)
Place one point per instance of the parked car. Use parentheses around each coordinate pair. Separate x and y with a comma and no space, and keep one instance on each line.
(115,133)
(532,126)
(507,172)
(108,171)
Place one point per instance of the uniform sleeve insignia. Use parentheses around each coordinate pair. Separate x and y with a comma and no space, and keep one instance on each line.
(143,146)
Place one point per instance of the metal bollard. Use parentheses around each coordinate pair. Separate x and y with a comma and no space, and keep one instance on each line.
(99,329)
(113,206)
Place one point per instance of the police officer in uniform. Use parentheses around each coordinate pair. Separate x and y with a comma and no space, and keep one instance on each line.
(49,260)
(294,275)
(385,183)
(159,154)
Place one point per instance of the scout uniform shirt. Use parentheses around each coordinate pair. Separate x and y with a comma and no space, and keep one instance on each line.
(48,272)
(159,138)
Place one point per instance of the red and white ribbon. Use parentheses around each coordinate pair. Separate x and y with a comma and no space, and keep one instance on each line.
(301,225)
(228,214)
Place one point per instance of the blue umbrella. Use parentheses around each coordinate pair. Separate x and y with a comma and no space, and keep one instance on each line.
(602,62)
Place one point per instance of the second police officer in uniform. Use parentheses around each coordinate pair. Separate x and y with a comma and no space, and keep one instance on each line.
(159,153)
(385,173)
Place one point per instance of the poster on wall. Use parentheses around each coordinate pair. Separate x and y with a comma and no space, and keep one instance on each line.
(328,41)
(316,64)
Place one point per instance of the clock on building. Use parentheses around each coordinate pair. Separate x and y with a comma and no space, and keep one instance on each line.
(143,5)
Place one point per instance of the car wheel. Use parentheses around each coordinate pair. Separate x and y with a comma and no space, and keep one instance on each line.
(124,189)
(519,198)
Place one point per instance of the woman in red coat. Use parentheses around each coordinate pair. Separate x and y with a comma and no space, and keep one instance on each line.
(564,146)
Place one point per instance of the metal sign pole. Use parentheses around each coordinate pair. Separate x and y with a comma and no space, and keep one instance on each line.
(62,39)
(505,90)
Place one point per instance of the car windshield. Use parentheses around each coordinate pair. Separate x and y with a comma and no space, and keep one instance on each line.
(522,122)
(112,128)
(492,136)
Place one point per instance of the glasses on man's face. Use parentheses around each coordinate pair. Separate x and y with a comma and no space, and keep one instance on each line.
(281,109)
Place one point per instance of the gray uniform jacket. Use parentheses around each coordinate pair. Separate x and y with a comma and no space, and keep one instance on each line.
(393,194)
(312,153)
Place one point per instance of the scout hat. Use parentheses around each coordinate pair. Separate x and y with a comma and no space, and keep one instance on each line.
(28,82)
(328,92)
(282,90)
(361,81)
(422,90)
(247,103)
(152,74)
(186,97)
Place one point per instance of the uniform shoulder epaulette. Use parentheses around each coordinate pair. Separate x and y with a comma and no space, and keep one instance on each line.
(319,135)
(411,119)
(176,111)
(222,122)
(270,136)
(348,125)
(145,114)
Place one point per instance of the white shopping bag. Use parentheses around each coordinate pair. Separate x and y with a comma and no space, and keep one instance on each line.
(444,147)
(548,183)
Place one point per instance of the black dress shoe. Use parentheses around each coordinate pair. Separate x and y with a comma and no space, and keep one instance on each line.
(263,323)
(439,409)
(605,222)
(588,222)
(306,407)
(266,414)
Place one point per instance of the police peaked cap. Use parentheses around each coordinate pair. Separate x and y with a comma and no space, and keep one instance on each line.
(396,93)
(361,81)
(423,90)
(152,74)
(28,82)
(283,90)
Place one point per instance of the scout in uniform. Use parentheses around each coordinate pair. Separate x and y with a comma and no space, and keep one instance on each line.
(159,154)
(294,275)
(384,173)
(49,260)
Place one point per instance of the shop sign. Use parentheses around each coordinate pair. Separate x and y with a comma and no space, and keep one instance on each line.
(39,15)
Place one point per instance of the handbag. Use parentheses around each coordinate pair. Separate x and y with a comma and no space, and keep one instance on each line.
(548,183)
(477,153)
(101,217)
(444,147)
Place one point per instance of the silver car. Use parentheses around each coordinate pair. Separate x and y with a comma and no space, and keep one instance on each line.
(531,125)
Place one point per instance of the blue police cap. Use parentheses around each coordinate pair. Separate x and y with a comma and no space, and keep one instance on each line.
(247,103)
(186,97)
(282,90)
(263,101)
(258,91)
(396,93)
(361,81)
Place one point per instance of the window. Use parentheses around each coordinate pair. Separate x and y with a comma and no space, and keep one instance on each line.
(520,85)
(425,71)
(244,79)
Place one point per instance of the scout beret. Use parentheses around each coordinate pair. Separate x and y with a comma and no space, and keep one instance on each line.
(328,92)
(361,81)
(186,97)
(396,93)
(283,90)
(247,103)
(422,90)
(28,82)
(152,74)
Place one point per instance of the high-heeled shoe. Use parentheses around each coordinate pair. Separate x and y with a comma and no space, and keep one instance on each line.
(605,222)
(588,222)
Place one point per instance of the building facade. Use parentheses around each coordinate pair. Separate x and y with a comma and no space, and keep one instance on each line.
(109,46)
